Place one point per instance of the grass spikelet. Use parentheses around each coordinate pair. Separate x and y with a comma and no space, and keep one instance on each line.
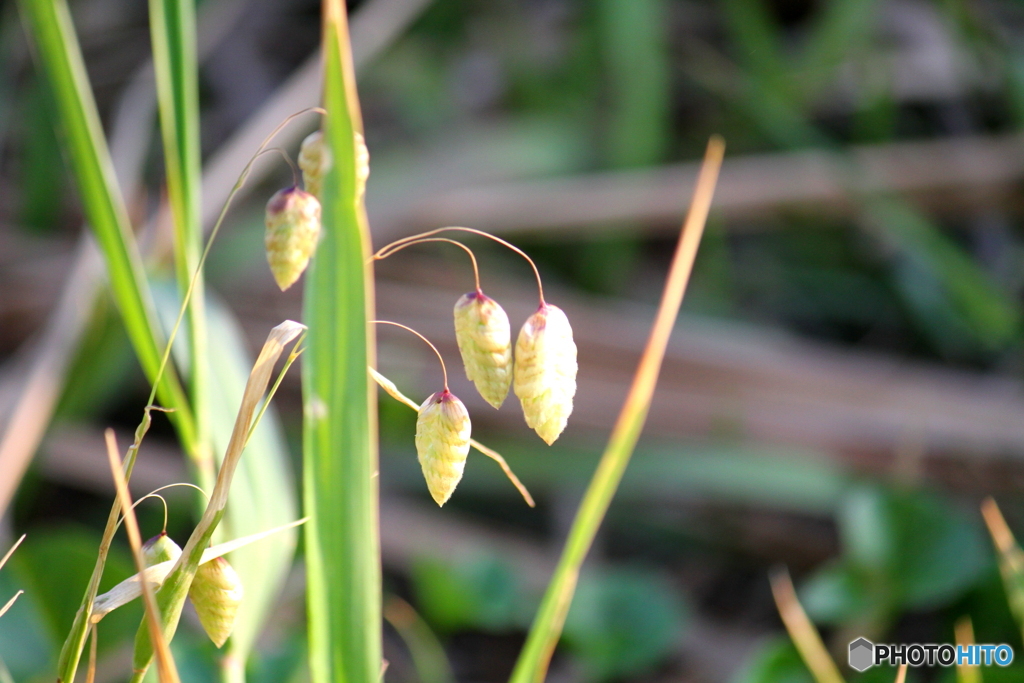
(485,342)
(216,593)
(442,443)
(545,371)
(293,231)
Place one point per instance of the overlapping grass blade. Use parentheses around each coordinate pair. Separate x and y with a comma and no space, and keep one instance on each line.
(547,626)
(1010,556)
(173,31)
(49,24)
(340,435)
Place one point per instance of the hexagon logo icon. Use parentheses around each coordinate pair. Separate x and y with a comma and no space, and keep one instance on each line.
(862,654)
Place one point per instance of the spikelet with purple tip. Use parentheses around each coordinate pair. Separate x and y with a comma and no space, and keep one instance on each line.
(485,342)
(293,231)
(442,443)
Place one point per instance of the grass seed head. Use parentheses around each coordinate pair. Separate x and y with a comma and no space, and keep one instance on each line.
(545,371)
(315,161)
(485,342)
(293,231)
(160,549)
(442,443)
(216,593)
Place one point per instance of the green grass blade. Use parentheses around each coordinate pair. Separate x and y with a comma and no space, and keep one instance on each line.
(173,32)
(49,25)
(547,626)
(340,436)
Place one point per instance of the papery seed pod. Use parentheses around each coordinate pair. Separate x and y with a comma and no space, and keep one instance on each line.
(315,161)
(442,443)
(293,230)
(216,593)
(485,342)
(545,371)
(160,549)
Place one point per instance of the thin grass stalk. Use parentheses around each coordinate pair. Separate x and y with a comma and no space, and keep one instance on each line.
(340,427)
(167,672)
(173,33)
(547,626)
(48,23)
(71,651)
(802,631)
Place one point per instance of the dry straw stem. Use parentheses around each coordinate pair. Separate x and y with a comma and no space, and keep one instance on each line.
(1010,557)
(547,626)
(901,675)
(172,594)
(3,561)
(167,672)
(964,633)
(389,387)
(805,637)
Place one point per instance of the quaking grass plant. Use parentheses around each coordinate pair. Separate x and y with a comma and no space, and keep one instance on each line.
(323,225)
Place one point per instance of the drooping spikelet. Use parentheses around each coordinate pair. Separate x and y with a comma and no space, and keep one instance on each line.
(485,341)
(293,230)
(315,161)
(442,443)
(545,371)
(216,592)
(160,549)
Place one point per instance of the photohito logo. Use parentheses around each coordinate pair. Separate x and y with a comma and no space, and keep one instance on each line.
(864,654)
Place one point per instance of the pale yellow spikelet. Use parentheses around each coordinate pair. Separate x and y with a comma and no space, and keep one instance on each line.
(293,231)
(216,593)
(545,371)
(160,549)
(485,341)
(315,161)
(442,443)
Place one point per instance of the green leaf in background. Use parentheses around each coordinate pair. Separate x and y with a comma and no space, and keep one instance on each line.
(991,316)
(263,492)
(623,622)
(902,550)
(340,461)
(54,566)
(776,662)
(27,645)
(49,25)
(478,593)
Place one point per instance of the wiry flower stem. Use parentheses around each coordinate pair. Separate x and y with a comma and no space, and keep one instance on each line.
(391,248)
(396,247)
(444,370)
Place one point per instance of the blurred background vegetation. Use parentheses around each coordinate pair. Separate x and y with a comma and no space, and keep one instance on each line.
(843,389)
